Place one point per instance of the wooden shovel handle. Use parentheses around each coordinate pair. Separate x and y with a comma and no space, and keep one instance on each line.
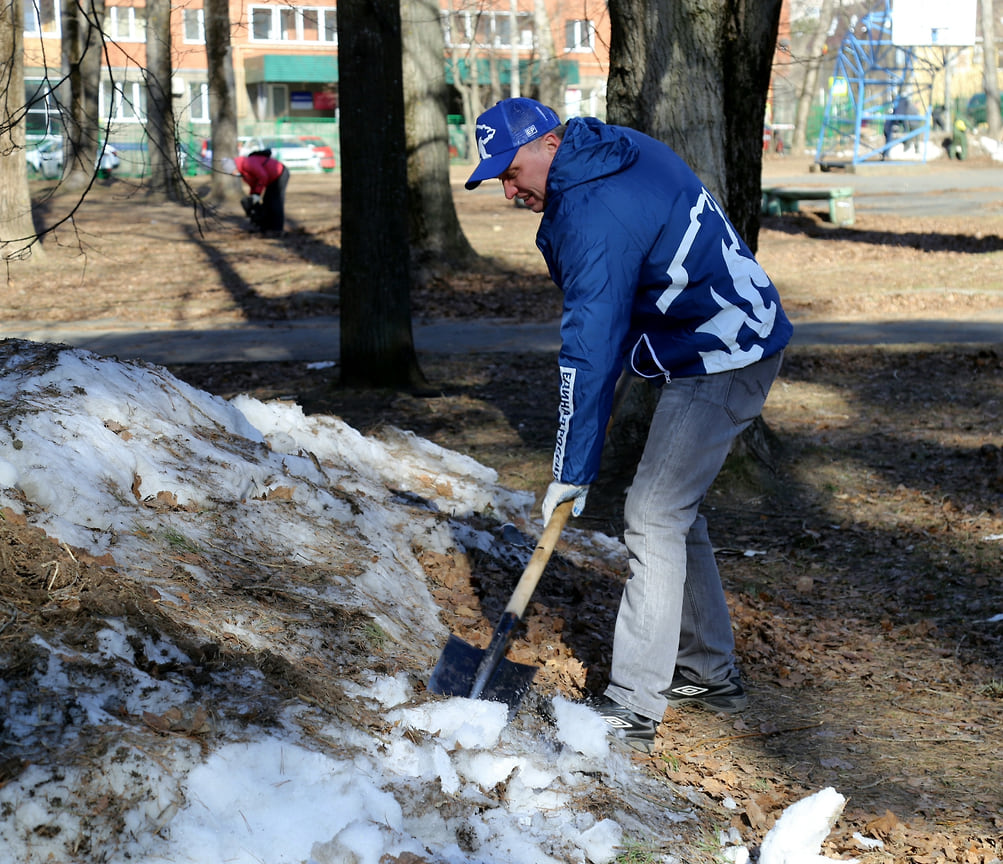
(541,555)
(548,540)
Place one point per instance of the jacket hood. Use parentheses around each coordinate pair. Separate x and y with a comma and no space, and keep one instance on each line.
(594,150)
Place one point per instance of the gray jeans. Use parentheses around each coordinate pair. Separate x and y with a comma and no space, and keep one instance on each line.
(673,610)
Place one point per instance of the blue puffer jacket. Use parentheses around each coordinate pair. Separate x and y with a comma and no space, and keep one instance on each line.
(653,274)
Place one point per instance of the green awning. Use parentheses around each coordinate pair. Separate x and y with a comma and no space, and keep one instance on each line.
(291,69)
(323,69)
(529,71)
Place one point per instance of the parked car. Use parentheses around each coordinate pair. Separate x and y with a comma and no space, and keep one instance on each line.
(976,109)
(296,155)
(322,149)
(47,159)
(41,152)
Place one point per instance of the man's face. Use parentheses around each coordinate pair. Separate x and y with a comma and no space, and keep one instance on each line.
(526,177)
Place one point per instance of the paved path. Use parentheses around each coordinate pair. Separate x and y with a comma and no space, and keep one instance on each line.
(939,187)
(317,339)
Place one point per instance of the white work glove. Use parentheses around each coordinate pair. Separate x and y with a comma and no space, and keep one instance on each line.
(558,492)
(255,199)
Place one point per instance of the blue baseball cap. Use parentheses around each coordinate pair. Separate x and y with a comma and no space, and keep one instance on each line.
(503,129)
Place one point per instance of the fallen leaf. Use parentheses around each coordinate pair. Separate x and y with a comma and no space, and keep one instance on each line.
(757,818)
(883,826)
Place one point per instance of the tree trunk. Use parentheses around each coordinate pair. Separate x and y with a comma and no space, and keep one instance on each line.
(494,74)
(515,73)
(551,87)
(224,187)
(749,46)
(17,233)
(437,239)
(377,344)
(813,64)
(471,111)
(165,176)
(81,48)
(666,78)
(466,89)
(989,72)
(695,74)
(471,92)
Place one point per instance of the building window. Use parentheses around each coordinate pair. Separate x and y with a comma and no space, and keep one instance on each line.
(311,32)
(579,35)
(41,17)
(330,26)
(278,96)
(42,118)
(320,25)
(128,101)
(261,24)
(287,24)
(194,26)
(488,29)
(198,102)
(125,23)
(309,24)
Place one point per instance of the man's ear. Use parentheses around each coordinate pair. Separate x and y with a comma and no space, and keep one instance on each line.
(551,142)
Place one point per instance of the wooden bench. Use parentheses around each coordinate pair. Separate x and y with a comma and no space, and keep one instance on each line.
(784,199)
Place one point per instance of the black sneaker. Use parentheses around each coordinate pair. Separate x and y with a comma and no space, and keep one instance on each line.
(633,729)
(728,696)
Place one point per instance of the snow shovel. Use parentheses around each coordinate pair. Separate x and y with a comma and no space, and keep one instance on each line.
(464,670)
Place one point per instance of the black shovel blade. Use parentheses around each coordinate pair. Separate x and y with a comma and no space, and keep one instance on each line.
(456,672)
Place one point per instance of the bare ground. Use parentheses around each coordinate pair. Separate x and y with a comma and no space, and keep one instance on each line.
(862,559)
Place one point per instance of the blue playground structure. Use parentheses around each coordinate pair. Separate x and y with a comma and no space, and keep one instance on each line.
(875,99)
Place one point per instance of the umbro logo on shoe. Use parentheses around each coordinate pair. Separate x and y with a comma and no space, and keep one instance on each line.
(728,696)
(634,729)
(689,690)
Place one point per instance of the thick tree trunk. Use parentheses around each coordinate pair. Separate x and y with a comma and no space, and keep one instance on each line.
(437,240)
(17,233)
(749,43)
(81,48)
(224,187)
(667,79)
(377,344)
(165,176)
(695,74)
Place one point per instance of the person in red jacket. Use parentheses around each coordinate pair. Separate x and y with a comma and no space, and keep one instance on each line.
(268,178)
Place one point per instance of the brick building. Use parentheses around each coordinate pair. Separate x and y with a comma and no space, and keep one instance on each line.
(285,59)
